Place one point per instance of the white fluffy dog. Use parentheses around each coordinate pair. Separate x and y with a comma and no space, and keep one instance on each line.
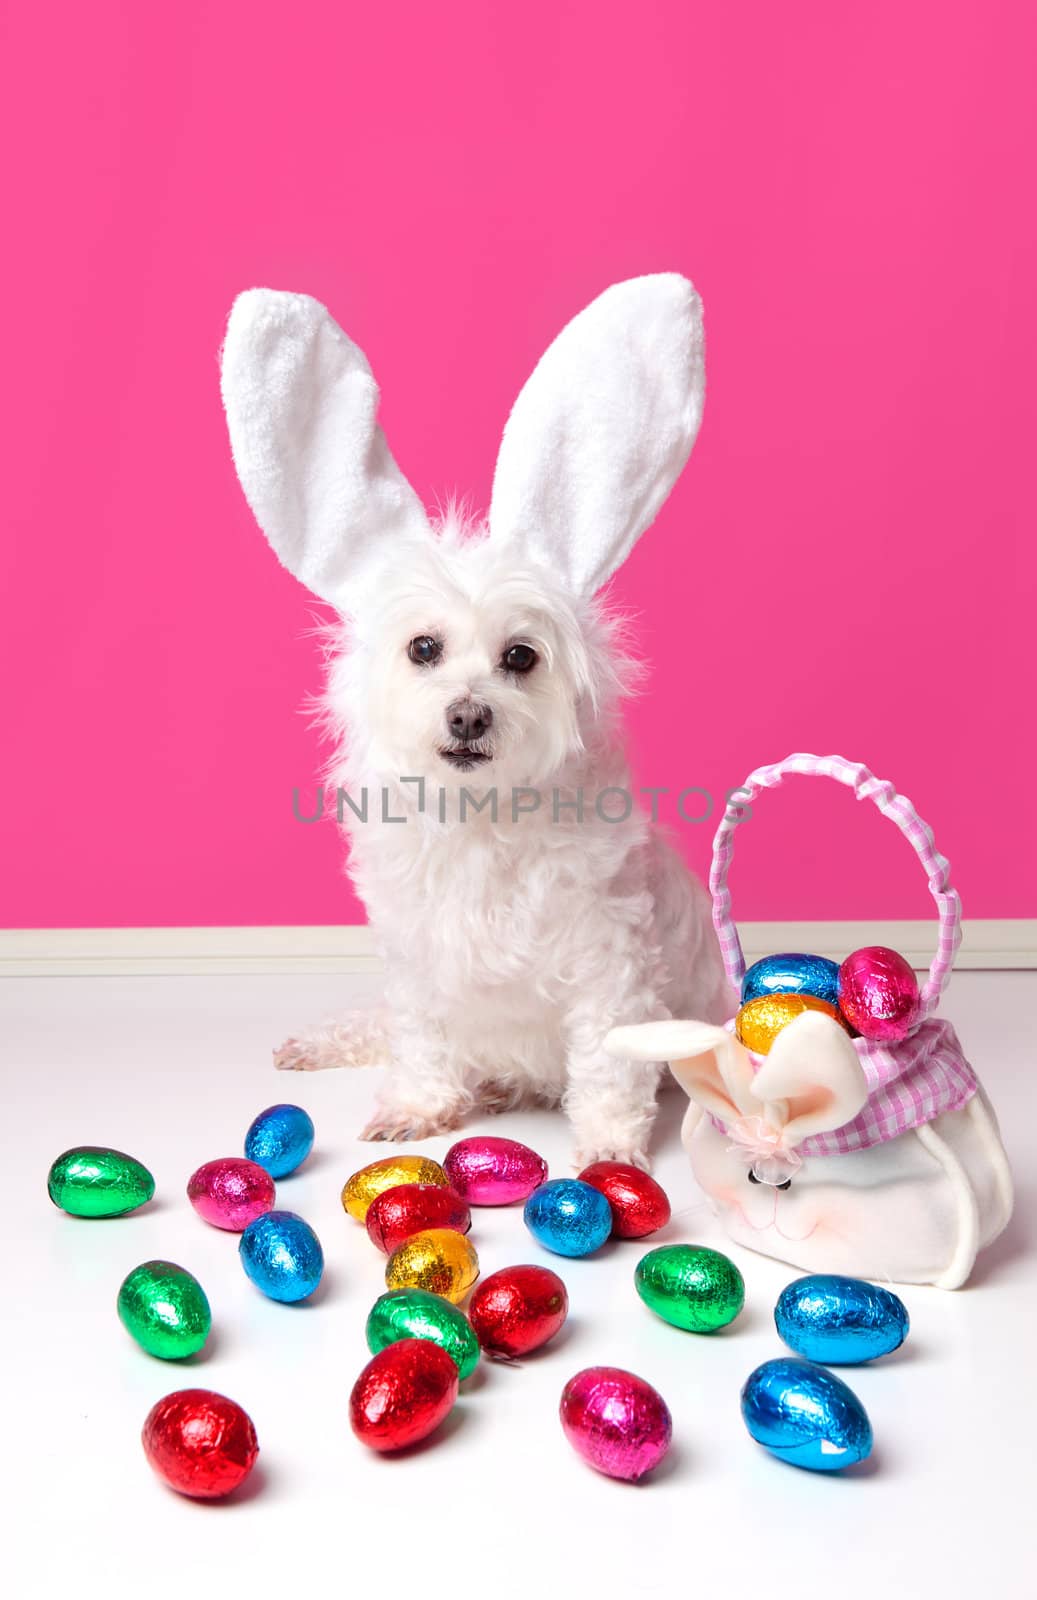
(522,902)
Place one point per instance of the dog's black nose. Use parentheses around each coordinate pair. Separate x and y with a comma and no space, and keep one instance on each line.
(467,720)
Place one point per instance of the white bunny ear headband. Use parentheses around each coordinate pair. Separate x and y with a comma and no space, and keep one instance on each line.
(594,444)
(810,1082)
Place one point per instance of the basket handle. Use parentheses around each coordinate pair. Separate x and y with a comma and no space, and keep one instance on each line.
(866,787)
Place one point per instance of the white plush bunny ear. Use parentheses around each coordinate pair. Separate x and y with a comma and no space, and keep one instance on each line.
(812,1080)
(301,406)
(707,1061)
(600,433)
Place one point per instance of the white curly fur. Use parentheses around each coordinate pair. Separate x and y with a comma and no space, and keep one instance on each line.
(512,944)
(511,947)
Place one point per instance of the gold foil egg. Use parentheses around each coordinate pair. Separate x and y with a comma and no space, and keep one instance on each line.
(439,1260)
(761,1020)
(366,1185)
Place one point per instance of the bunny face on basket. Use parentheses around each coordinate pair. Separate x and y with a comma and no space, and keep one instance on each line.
(779,1143)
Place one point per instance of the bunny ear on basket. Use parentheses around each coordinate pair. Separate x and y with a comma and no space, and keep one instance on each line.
(601,431)
(302,407)
(811,1082)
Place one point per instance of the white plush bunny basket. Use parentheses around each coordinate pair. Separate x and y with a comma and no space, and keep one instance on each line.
(834,1153)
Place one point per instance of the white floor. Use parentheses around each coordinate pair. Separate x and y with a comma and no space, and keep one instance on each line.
(174,1069)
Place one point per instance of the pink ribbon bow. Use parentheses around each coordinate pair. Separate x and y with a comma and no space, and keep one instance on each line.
(764,1151)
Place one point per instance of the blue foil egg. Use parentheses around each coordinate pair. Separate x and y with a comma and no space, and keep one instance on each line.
(805,1415)
(280,1139)
(840,1321)
(568,1217)
(282,1255)
(793,973)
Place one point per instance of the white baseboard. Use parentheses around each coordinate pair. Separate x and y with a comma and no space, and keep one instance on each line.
(166,952)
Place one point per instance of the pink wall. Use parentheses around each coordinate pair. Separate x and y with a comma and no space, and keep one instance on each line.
(850,188)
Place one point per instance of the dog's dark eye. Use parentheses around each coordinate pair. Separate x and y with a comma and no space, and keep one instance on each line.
(519,658)
(425,651)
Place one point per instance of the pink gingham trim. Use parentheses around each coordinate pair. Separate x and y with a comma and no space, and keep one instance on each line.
(926,1074)
(908,1084)
(866,787)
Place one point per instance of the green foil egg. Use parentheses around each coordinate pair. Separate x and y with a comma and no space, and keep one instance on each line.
(690,1286)
(94,1181)
(416,1314)
(165,1309)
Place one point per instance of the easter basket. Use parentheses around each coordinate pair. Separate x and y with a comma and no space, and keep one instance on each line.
(879,1157)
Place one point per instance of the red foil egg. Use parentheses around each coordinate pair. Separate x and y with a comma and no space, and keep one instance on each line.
(403,1394)
(200,1443)
(878,994)
(518,1309)
(487,1171)
(616,1421)
(397,1214)
(231,1192)
(639,1204)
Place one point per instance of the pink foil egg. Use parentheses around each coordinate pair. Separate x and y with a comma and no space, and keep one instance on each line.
(616,1421)
(230,1193)
(493,1172)
(878,994)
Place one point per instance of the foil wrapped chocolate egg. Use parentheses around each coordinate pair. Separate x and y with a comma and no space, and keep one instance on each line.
(616,1421)
(282,1255)
(92,1180)
(759,1021)
(397,1214)
(230,1193)
(365,1185)
(488,1171)
(165,1309)
(805,1415)
(200,1443)
(690,1286)
(568,1217)
(840,1321)
(792,973)
(280,1139)
(878,994)
(403,1394)
(518,1309)
(439,1260)
(639,1204)
(416,1314)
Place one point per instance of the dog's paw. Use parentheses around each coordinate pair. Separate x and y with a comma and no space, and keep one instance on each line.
(630,1158)
(495,1097)
(299,1055)
(402,1125)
